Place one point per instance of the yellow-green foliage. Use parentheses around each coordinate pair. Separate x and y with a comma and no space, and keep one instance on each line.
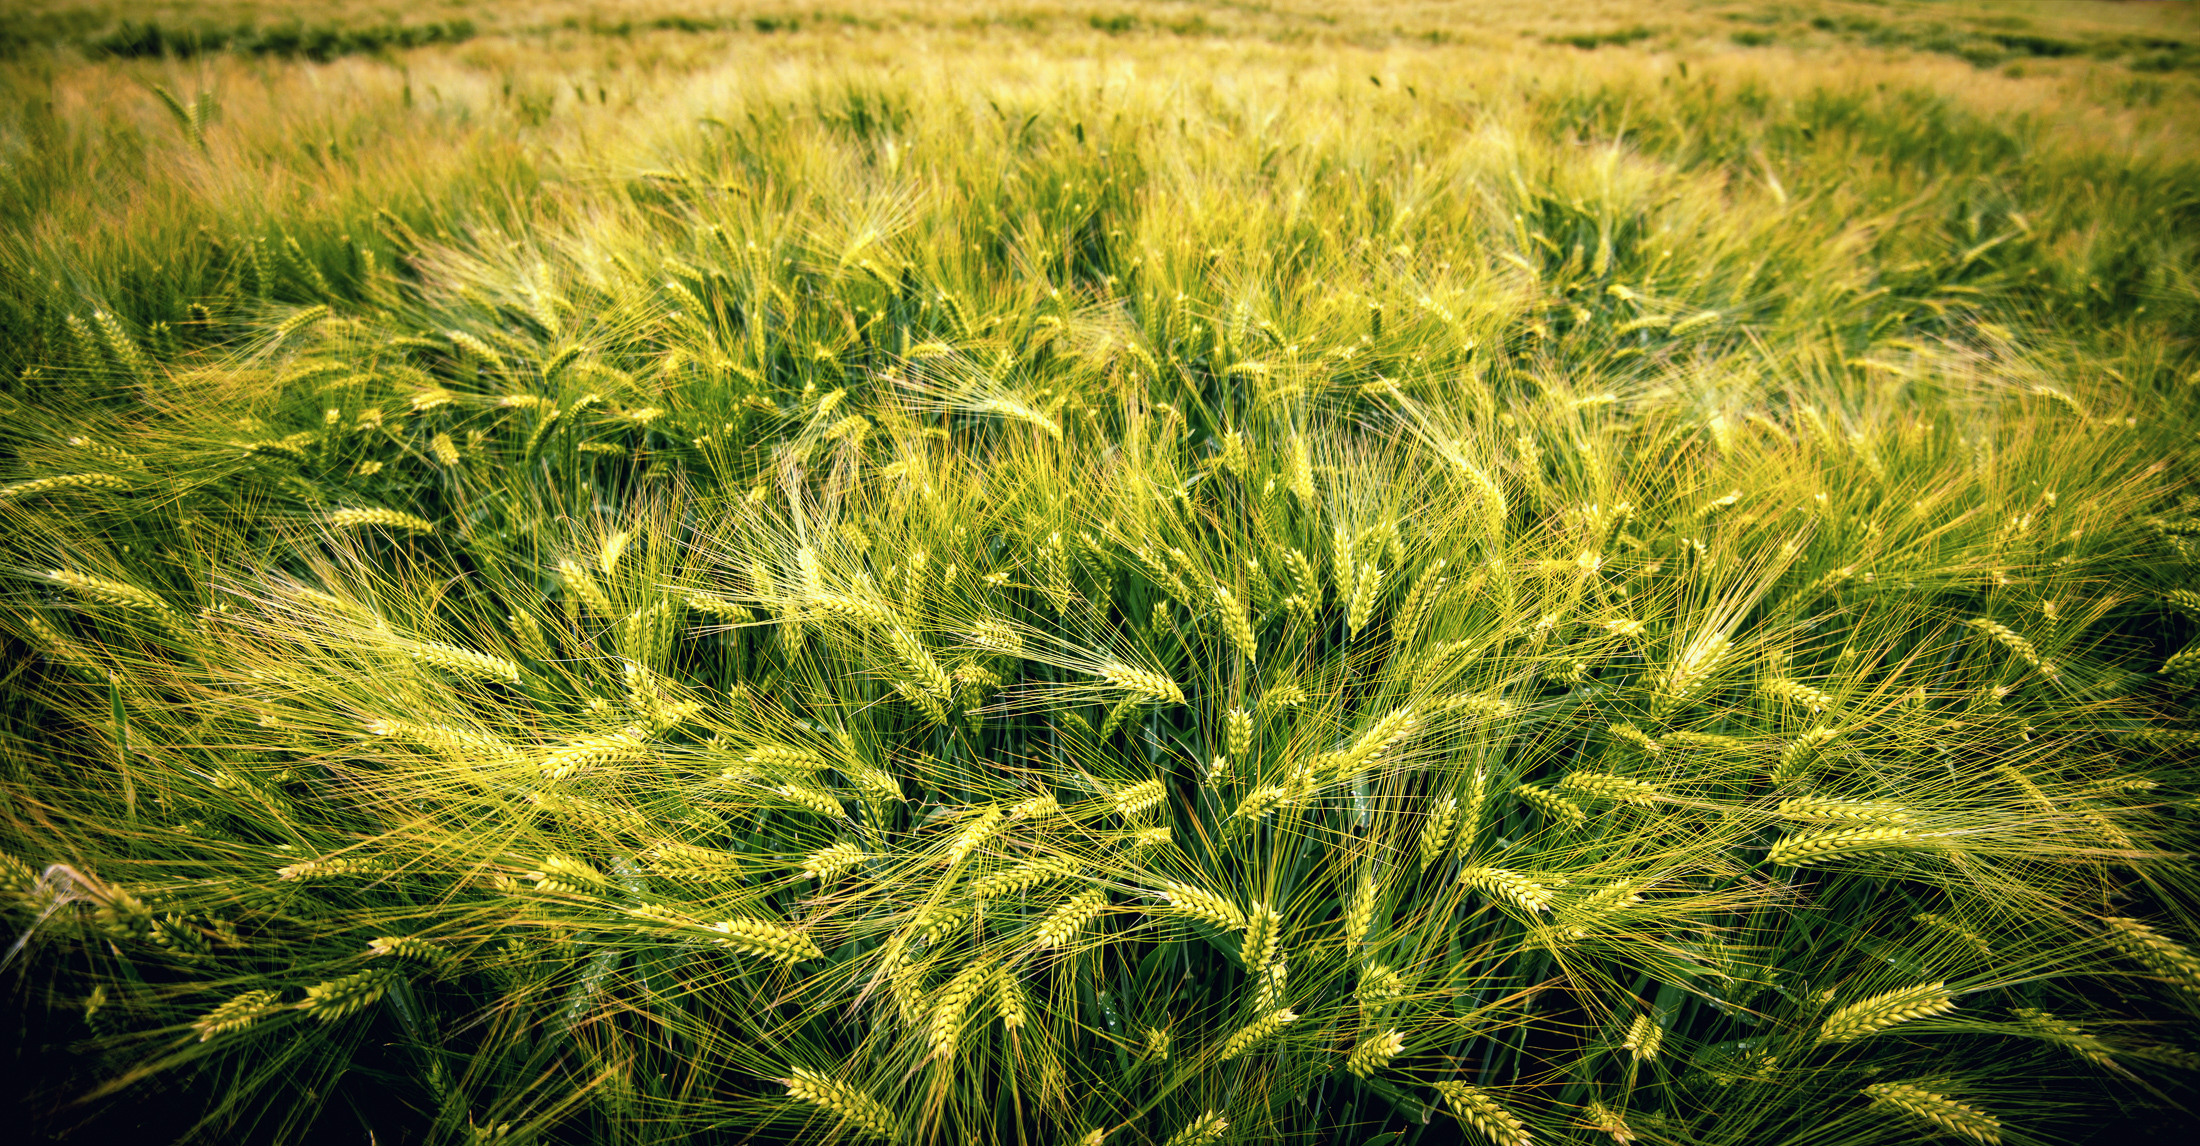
(1152,572)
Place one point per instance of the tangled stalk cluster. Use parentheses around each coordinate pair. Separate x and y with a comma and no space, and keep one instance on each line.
(763,687)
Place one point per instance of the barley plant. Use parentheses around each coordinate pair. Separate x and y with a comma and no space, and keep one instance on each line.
(1167,573)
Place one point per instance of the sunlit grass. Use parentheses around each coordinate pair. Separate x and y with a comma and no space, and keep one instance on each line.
(959,577)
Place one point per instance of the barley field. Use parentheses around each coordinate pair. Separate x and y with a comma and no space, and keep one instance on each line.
(1153,572)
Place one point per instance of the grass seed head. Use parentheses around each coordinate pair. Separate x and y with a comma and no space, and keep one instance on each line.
(1644,1037)
(35,486)
(1510,886)
(1554,807)
(457,660)
(1838,843)
(1142,684)
(2173,961)
(1373,1051)
(1826,808)
(1236,624)
(1204,906)
(826,864)
(1263,937)
(1204,1130)
(1062,925)
(380,519)
(237,1014)
(337,998)
(1884,1010)
(1479,1109)
(777,942)
(1938,1109)
(1619,789)
(1254,1033)
(1436,829)
(856,1108)
(952,1006)
(1238,733)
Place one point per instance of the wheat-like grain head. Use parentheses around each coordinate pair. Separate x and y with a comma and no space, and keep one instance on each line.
(1839,843)
(1884,1010)
(35,486)
(855,1107)
(237,1014)
(1644,1037)
(778,942)
(1479,1109)
(381,519)
(1252,1034)
(334,999)
(1931,1106)
(1510,886)
(1204,1130)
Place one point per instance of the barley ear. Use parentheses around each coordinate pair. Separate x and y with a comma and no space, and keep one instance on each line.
(2173,961)
(1479,1109)
(1643,1038)
(778,942)
(1236,624)
(1204,1130)
(1930,1106)
(237,1014)
(1818,847)
(336,998)
(1373,1051)
(380,518)
(1877,1013)
(856,1108)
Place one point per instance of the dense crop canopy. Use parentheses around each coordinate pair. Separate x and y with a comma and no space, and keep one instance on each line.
(1179,621)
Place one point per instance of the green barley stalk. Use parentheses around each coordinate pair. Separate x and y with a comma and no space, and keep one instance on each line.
(1865,1016)
(2166,957)
(952,1006)
(1367,582)
(1204,906)
(1236,625)
(1373,1051)
(1937,1109)
(777,942)
(1620,789)
(827,863)
(335,999)
(1252,1034)
(1062,925)
(1511,886)
(120,595)
(2013,641)
(1204,1130)
(1142,684)
(1826,808)
(1436,830)
(1838,843)
(380,519)
(456,660)
(237,1013)
(1238,733)
(1553,806)
(948,629)
(106,481)
(2067,1034)
(844,1099)
(1480,1110)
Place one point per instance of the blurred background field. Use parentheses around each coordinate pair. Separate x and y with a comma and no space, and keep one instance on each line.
(1779,415)
(309,119)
